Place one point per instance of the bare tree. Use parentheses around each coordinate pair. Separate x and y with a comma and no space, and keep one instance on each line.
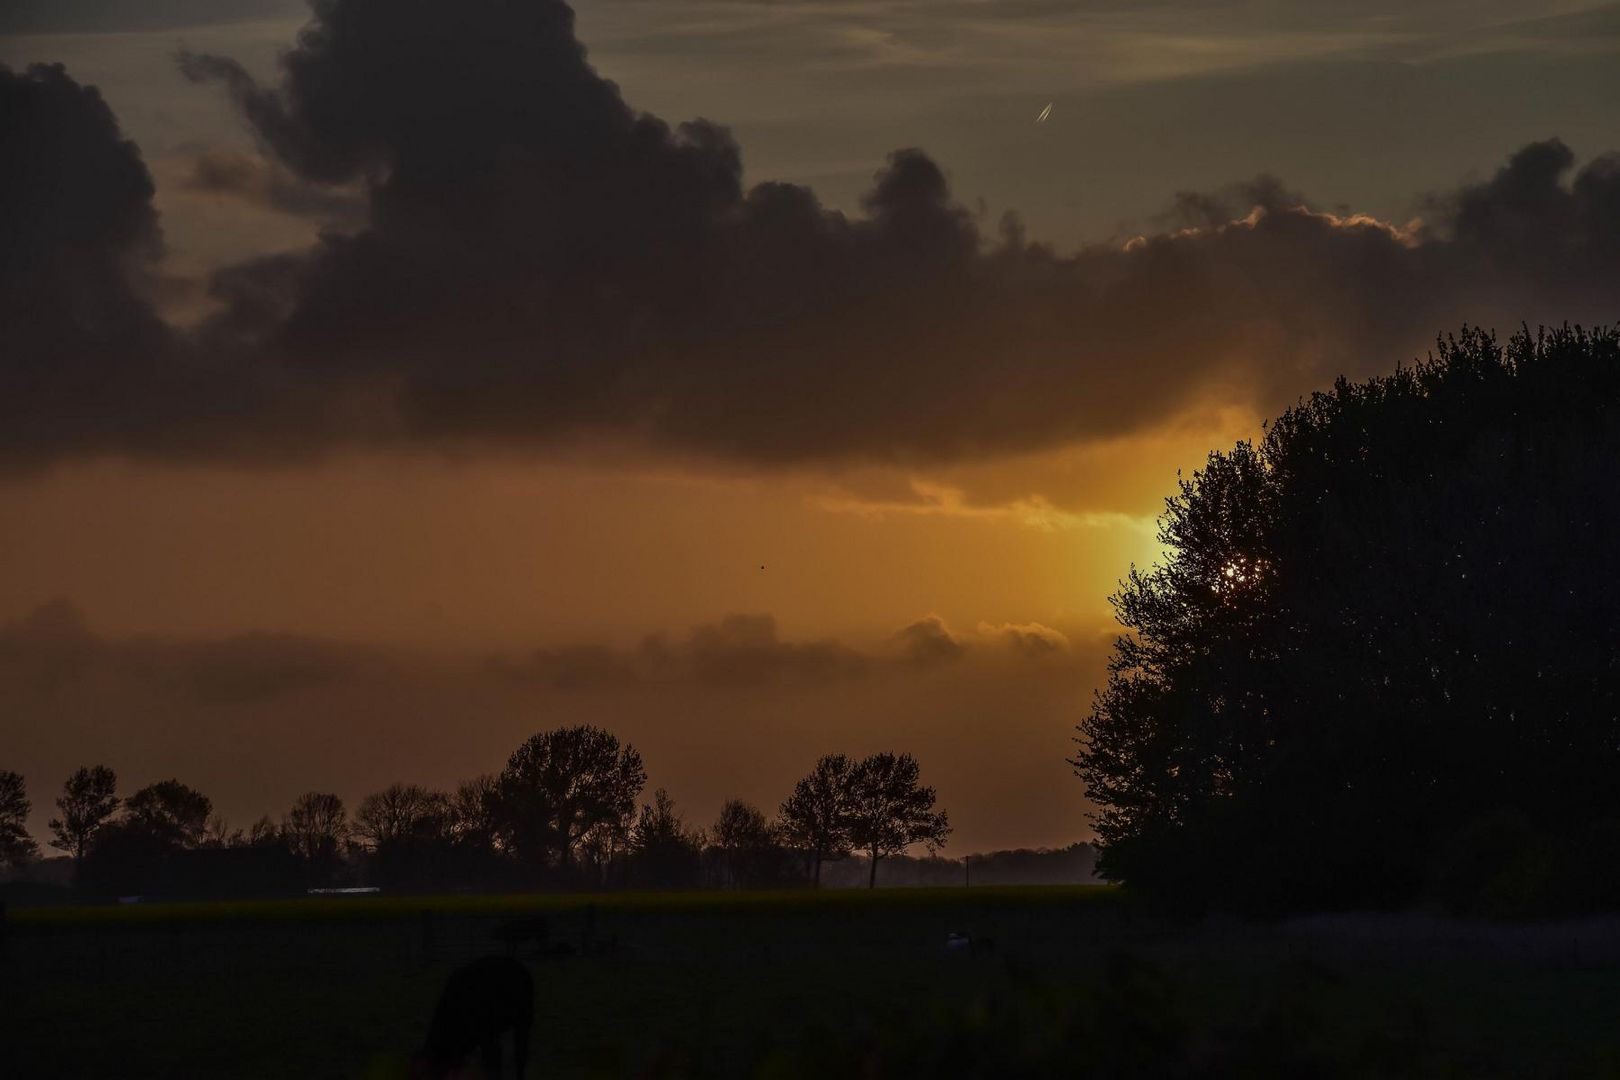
(16,846)
(316,827)
(219,834)
(815,818)
(88,800)
(402,812)
(473,811)
(890,809)
(263,833)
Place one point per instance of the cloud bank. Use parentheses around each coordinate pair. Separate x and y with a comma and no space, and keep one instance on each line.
(540,262)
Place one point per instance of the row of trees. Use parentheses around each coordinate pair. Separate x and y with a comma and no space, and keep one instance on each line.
(563,810)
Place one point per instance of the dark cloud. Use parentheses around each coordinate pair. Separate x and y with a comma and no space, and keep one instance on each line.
(739,649)
(80,350)
(572,667)
(540,261)
(51,646)
(929,641)
(746,648)
(54,647)
(255,666)
(1214,209)
(1526,217)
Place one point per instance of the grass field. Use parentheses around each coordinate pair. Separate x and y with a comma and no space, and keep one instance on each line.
(795,984)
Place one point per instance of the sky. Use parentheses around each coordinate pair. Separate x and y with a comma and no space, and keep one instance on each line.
(384,382)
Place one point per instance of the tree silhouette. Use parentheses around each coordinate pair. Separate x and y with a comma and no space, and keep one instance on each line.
(402,813)
(559,785)
(411,833)
(88,800)
(16,846)
(890,810)
(474,812)
(744,839)
(264,833)
(666,852)
(1379,632)
(170,812)
(316,828)
(815,818)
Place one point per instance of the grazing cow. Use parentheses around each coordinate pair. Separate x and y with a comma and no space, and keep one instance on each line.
(479,1004)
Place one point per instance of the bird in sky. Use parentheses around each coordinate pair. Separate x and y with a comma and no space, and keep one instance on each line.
(1041,119)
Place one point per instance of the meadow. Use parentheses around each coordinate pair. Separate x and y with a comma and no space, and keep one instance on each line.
(837,983)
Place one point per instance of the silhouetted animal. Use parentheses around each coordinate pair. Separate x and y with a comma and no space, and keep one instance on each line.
(479,1004)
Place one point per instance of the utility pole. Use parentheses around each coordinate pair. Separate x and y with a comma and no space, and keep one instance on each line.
(967,871)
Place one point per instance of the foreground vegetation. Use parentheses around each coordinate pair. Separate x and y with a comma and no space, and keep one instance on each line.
(796,984)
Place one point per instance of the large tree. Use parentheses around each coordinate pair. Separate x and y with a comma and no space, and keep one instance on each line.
(1390,623)
(561,785)
(171,813)
(89,799)
(16,846)
(815,818)
(890,809)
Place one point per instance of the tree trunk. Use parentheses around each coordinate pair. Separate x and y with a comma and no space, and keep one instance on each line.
(871,882)
(818,870)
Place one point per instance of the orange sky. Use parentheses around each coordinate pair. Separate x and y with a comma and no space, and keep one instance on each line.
(445,564)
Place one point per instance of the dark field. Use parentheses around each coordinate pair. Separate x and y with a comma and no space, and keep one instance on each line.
(791,985)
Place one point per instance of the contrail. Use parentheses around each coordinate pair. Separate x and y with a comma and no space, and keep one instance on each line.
(1041,119)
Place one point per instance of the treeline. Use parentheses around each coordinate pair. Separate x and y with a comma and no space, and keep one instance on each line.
(1072,865)
(1380,666)
(564,812)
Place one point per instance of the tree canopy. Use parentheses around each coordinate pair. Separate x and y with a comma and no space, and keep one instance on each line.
(1389,623)
(16,846)
(170,812)
(815,818)
(561,785)
(890,809)
(89,799)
